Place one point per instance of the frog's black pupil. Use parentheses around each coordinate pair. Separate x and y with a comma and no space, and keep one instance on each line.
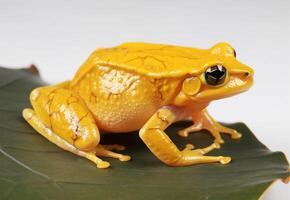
(215,75)
(235,54)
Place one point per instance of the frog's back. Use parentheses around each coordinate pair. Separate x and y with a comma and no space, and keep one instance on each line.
(153,60)
(125,85)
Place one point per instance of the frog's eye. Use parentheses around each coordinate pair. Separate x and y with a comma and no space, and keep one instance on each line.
(215,75)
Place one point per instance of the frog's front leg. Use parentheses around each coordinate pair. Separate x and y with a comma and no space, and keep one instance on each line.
(163,148)
(202,120)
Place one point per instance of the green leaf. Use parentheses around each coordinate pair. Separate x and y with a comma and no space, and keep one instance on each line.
(33,168)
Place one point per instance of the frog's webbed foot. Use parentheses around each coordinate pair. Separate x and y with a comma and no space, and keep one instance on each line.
(188,150)
(153,135)
(105,150)
(203,120)
(202,151)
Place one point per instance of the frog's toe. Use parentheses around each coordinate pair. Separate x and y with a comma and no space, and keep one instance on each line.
(103,164)
(124,158)
(236,135)
(217,145)
(225,160)
(198,152)
(189,147)
(101,150)
(232,132)
(183,133)
(219,141)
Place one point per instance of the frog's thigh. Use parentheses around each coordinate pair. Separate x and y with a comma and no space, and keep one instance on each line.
(66,115)
(64,119)
(162,147)
(69,118)
(31,117)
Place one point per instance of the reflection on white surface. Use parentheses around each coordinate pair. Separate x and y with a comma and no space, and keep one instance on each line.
(59,35)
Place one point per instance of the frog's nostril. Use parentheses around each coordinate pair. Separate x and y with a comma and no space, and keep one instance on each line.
(249,73)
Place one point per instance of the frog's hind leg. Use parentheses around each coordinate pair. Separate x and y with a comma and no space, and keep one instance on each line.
(63,118)
(45,131)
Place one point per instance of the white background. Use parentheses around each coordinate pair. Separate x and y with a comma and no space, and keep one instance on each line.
(59,35)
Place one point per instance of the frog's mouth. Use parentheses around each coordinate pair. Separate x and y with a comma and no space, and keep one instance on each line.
(236,84)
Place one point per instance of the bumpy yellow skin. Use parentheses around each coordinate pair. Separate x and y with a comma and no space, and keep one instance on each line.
(139,86)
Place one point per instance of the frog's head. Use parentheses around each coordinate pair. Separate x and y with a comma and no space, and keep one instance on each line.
(219,75)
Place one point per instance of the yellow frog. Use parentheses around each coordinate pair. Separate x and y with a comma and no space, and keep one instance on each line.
(140,86)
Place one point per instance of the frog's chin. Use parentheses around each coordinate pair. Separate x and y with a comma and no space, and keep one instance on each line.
(234,86)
